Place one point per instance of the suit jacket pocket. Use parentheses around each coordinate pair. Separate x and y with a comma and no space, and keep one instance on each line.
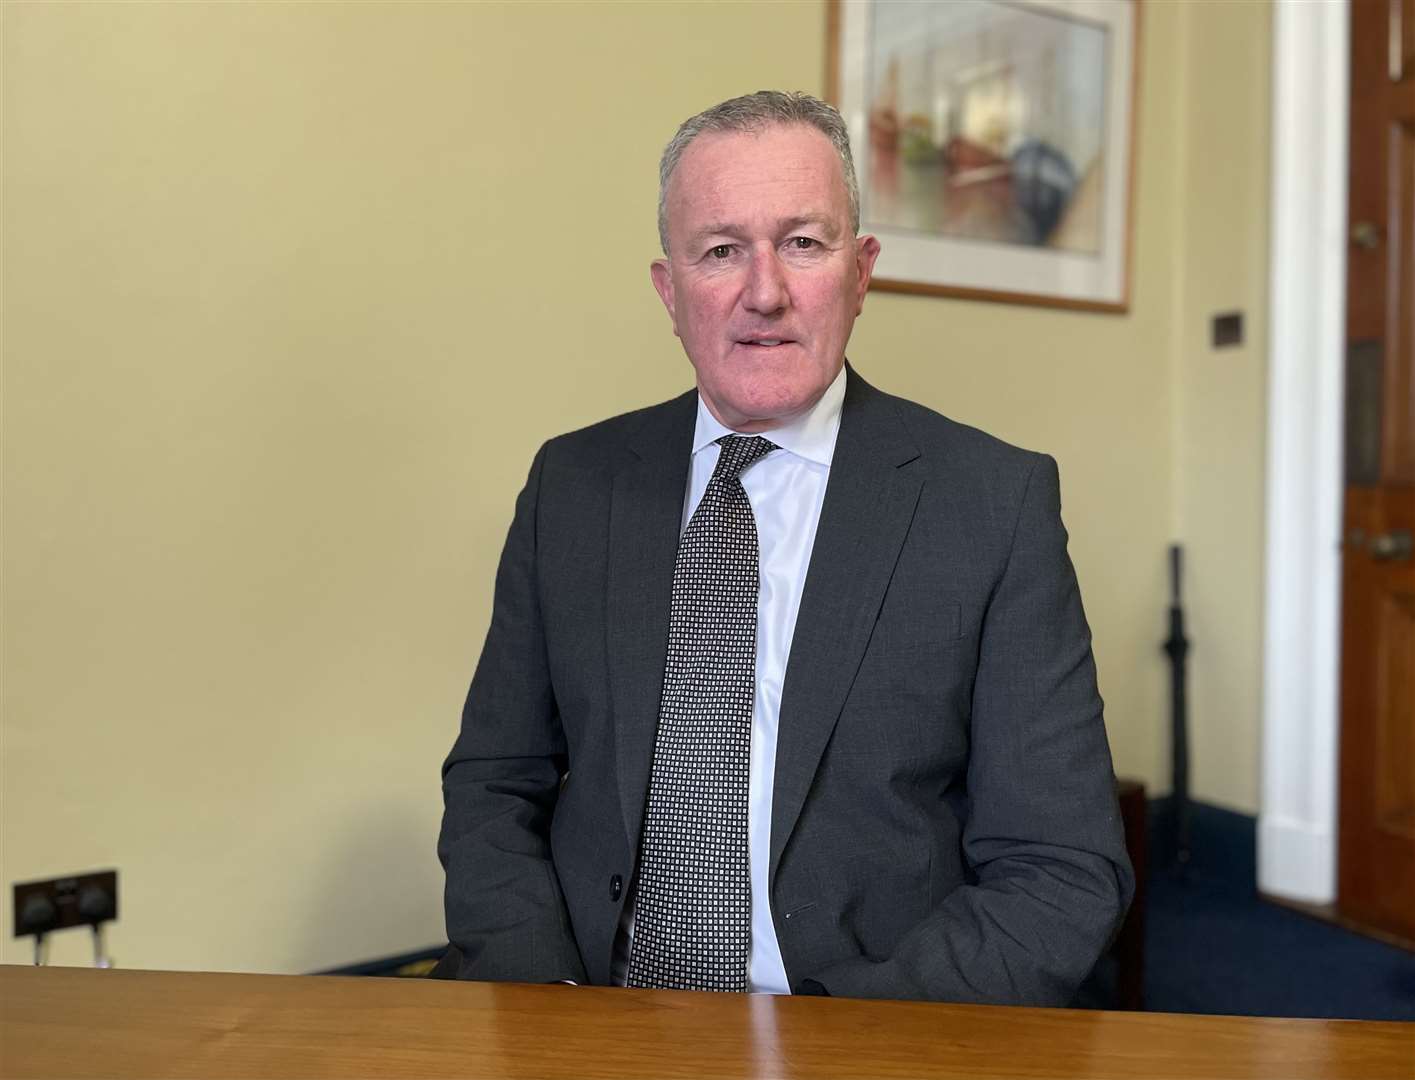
(910,696)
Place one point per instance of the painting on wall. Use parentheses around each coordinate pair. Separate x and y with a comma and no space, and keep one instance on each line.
(993,143)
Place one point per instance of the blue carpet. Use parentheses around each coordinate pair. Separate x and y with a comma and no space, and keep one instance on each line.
(1212,945)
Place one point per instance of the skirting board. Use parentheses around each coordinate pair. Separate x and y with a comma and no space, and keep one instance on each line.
(1296,860)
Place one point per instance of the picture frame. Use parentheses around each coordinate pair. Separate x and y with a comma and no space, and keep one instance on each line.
(994,144)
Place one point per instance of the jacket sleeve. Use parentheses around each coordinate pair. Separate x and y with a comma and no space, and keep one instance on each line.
(1043,841)
(505,910)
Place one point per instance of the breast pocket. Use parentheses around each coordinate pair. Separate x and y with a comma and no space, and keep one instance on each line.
(913,640)
(911,693)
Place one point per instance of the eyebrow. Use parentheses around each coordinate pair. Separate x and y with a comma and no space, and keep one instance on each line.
(820,221)
(791,224)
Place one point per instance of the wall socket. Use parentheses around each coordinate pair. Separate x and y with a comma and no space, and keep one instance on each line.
(59,903)
(1228,330)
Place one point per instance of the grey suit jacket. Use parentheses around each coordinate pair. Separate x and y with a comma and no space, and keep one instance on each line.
(944,823)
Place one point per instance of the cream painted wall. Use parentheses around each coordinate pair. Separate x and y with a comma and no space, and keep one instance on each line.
(1220,395)
(292,292)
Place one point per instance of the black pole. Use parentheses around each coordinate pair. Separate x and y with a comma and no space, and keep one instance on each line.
(1178,649)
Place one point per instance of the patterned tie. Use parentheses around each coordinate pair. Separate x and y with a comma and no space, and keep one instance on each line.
(692,917)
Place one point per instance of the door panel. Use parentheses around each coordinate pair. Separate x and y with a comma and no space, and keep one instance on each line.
(1402,38)
(1400,302)
(1376,882)
(1395,713)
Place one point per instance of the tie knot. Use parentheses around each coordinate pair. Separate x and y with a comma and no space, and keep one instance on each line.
(739,451)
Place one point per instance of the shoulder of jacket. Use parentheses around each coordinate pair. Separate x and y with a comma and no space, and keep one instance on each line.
(947,443)
(604,443)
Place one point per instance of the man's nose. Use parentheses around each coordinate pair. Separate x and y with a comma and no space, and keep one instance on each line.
(766,291)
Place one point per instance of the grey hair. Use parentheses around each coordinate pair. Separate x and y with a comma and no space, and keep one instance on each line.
(754,113)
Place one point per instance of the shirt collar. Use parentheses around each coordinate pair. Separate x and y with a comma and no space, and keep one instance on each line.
(810,435)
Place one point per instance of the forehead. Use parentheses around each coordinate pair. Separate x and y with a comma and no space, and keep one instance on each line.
(778,172)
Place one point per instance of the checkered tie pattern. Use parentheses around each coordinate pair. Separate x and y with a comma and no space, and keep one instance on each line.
(692,915)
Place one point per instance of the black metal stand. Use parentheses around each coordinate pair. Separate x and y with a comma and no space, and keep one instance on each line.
(1177,647)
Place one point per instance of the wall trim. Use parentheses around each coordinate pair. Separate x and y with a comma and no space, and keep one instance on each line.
(1307,316)
(1298,856)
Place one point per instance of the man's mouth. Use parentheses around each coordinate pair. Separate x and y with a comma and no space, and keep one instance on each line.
(765,343)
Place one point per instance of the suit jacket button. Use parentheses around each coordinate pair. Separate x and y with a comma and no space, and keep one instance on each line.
(616,886)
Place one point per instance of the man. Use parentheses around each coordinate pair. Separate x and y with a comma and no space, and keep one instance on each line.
(788,686)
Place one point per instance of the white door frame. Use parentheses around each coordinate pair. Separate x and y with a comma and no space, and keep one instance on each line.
(1307,319)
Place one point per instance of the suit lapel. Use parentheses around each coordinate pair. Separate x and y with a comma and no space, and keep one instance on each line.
(646,511)
(869,504)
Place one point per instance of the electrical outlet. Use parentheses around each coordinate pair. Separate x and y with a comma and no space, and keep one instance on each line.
(59,903)
(1228,330)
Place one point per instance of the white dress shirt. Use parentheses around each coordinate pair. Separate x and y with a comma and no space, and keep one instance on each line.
(786,489)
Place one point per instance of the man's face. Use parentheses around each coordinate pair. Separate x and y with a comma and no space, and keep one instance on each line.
(764,275)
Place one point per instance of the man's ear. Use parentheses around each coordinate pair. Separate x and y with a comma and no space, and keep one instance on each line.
(866,252)
(663,282)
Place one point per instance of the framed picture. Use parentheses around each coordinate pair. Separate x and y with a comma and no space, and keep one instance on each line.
(993,141)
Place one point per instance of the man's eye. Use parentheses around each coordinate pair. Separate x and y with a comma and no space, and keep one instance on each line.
(802,243)
(722,251)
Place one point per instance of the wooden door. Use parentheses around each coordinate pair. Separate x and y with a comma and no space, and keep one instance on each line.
(1376,876)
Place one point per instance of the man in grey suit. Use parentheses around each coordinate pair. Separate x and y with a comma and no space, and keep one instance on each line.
(912,796)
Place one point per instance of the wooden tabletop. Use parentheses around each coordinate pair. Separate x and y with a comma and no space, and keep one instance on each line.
(75,1022)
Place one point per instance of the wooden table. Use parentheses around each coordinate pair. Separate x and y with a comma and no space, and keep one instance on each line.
(87,1023)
